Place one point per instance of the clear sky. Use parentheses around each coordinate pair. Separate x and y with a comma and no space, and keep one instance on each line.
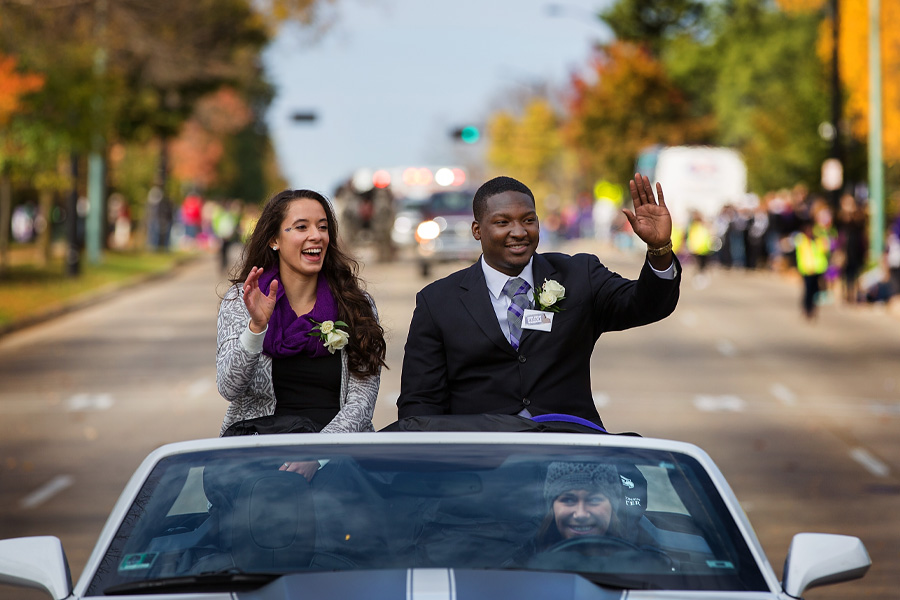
(388,79)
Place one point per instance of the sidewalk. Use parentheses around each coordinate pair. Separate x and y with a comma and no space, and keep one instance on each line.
(95,295)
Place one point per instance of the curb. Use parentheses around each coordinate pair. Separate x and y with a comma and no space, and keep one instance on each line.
(94,296)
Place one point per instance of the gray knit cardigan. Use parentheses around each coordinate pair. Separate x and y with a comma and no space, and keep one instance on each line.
(244,374)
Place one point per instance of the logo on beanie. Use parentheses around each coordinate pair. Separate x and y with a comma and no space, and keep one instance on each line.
(627,482)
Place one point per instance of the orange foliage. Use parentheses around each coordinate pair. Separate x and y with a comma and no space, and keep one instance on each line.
(223,112)
(630,103)
(195,154)
(14,85)
(200,145)
(854,68)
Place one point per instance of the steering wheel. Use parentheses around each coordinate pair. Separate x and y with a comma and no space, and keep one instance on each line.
(332,562)
(586,543)
(601,545)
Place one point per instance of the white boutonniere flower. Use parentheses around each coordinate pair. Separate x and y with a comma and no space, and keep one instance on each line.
(332,337)
(549,295)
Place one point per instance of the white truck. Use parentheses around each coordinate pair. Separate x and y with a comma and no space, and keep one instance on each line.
(702,178)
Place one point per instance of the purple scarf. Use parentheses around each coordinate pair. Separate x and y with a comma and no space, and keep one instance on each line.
(288,334)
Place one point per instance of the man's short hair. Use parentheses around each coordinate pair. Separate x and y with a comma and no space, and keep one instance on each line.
(495,186)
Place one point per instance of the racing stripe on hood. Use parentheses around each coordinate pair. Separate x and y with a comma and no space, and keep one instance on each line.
(430,584)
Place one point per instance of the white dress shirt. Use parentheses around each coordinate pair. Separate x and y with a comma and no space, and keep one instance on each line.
(495,282)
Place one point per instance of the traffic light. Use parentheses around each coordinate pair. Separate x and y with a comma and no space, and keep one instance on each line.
(468,134)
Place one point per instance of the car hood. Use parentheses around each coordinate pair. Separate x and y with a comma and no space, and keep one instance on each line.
(433,584)
(463,584)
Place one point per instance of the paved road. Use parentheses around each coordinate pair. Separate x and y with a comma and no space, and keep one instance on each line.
(802,418)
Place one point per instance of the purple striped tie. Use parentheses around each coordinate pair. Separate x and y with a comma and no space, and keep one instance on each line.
(516,289)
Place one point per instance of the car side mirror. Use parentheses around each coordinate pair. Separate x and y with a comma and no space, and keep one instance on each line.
(36,562)
(816,559)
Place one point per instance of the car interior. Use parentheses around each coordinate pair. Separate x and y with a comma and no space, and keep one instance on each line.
(208,514)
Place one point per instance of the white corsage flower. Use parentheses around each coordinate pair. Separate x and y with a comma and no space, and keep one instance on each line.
(332,337)
(546,298)
(336,340)
(554,287)
(548,295)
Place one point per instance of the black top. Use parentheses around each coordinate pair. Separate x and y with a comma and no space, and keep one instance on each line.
(308,387)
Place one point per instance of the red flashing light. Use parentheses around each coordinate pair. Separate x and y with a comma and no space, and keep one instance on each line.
(459,177)
(381,179)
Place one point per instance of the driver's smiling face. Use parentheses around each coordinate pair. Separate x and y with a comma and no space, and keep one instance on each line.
(582,512)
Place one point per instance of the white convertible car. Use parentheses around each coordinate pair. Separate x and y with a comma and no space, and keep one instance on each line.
(431,515)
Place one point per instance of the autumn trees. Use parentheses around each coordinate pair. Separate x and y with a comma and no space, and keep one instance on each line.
(749,74)
(132,79)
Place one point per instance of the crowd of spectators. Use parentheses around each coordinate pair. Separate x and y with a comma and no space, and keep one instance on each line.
(763,233)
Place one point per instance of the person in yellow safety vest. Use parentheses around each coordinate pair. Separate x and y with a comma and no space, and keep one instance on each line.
(699,241)
(812,251)
(677,238)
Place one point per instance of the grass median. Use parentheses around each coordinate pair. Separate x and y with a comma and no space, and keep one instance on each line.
(29,292)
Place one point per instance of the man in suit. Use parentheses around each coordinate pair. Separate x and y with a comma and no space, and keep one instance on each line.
(479,341)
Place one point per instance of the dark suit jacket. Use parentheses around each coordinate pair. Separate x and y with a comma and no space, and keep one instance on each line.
(457,360)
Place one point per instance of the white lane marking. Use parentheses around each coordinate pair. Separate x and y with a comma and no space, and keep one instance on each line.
(199,387)
(47,491)
(872,464)
(724,403)
(700,281)
(600,399)
(689,319)
(430,584)
(885,409)
(726,348)
(784,394)
(80,402)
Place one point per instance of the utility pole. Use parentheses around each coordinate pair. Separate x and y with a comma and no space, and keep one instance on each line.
(876,164)
(837,150)
(95,229)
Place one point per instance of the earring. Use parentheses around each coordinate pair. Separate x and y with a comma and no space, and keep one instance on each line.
(275,247)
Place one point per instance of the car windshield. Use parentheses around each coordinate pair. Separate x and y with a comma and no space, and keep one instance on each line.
(449,203)
(454,505)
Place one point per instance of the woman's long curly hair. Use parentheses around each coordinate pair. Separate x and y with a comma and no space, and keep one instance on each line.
(366,348)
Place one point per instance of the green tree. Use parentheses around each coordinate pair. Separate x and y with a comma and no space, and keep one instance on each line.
(130,71)
(529,147)
(629,103)
(28,151)
(652,23)
(771,93)
(749,75)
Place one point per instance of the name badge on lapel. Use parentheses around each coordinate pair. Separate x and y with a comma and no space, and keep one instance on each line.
(537,319)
